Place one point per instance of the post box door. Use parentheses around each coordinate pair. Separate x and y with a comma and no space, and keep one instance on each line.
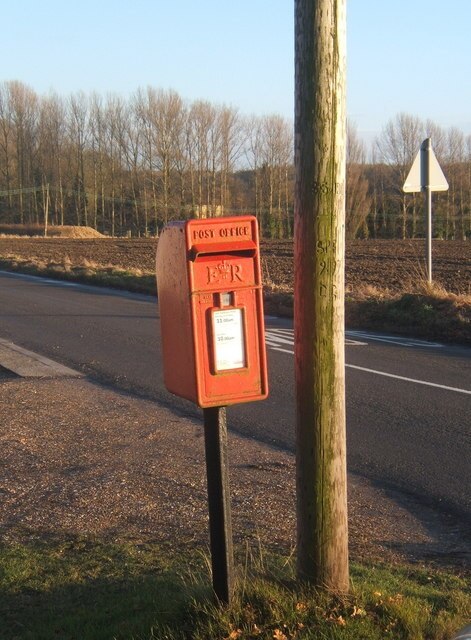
(227,307)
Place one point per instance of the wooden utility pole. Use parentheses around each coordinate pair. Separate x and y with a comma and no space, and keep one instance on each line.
(320,155)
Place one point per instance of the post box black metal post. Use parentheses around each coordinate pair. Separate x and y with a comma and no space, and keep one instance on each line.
(220,529)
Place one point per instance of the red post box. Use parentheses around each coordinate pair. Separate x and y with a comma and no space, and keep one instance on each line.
(211,311)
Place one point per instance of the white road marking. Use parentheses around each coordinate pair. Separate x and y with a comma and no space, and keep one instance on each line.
(28,364)
(276,337)
(41,280)
(356,338)
(355,343)
(403,342)
(274,340)
(282,350)
(424,382)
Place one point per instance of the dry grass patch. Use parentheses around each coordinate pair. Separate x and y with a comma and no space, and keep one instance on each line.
(425,310)
(87,272)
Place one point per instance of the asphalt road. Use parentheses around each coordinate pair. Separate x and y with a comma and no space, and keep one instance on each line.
(408,402)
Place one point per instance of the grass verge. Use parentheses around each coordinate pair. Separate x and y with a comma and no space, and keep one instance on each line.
(90,589)
(423,310)
(426,311)
(111,276)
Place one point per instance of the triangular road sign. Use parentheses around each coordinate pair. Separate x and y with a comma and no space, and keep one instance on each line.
(417,177)
(413,181)
(437,180)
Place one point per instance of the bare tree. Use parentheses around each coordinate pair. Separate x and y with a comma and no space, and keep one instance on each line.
(168,120)
(201,123)
(253,154)
(78,135)
(143,104)
(276,156)
(232,142)
(455,157)
(397,146)
(51,132)
(97,128)
(357,198)
(439,139)
(6,144)
(115,122)
(24,117)
(131,151)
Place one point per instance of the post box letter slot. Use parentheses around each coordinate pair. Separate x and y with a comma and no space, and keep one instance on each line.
(228,329)
(246,249)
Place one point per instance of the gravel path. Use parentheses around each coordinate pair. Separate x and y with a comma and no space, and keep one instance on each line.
(82,459)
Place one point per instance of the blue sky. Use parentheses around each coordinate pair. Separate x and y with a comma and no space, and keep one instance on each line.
(403,55)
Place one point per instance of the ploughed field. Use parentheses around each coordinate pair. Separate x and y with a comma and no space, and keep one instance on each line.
(385,264)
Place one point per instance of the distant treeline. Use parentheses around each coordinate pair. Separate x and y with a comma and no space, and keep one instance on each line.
(129,166)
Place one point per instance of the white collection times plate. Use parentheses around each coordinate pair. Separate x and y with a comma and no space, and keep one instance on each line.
(229,339)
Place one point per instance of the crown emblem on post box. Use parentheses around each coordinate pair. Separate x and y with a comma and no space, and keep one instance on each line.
(225,272)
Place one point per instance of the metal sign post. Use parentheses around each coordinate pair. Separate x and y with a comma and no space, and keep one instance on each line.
(220,528)
(426,175)
(425,160)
